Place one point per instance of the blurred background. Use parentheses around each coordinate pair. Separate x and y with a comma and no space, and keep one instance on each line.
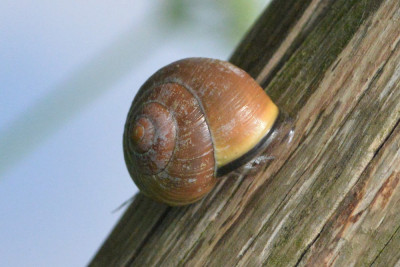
(69,71)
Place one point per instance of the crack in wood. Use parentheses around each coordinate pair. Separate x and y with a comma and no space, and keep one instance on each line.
(308,247)
(130,261)
(386,244)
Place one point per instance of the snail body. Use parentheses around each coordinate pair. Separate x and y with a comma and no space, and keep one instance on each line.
(191,122)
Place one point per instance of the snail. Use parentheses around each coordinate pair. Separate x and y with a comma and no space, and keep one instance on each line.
(191,122)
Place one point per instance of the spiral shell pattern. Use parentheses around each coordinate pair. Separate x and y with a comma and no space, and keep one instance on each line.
(179,165)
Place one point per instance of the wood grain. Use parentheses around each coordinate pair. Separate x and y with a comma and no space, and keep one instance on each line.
(332,197)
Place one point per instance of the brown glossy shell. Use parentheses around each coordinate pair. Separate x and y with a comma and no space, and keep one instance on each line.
(189,119)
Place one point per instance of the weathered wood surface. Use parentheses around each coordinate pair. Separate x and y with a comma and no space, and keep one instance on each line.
(333,197)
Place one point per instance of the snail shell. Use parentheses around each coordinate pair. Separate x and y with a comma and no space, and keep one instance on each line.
(192,121)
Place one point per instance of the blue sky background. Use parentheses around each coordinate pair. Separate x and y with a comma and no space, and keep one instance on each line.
(69,71)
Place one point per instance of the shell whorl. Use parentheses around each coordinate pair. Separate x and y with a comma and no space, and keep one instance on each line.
(179,166)
(152,137)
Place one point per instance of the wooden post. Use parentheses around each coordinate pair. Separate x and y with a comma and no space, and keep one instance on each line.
(333,197)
